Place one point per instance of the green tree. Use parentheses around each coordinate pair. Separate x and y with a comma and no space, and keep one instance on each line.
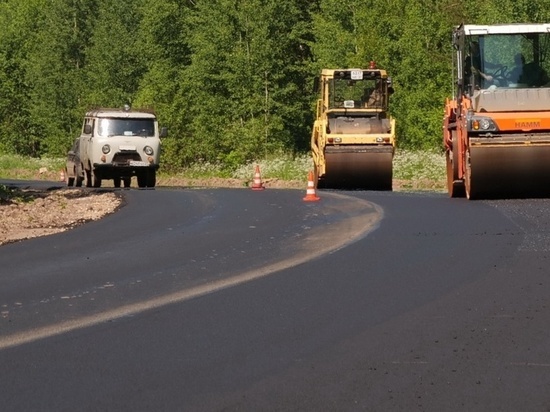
(163,41)
(409,40)
(231,78)
(115,65)
(336,28)
(245,89)
(507,11)
(54,70)
(42,54)
(422,74)
(19,20)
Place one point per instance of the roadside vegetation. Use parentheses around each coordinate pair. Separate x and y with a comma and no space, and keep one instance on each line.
(414,170)
(229,88)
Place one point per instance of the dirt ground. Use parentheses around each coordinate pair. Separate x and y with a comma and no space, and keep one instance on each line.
(33,213)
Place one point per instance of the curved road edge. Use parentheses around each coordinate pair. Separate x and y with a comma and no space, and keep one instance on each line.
(349,219)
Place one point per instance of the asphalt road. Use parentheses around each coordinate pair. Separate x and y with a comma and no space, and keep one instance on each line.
(208,300)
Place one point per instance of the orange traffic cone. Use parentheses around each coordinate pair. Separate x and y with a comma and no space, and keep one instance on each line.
(62,176)
(311,196)
(257,185)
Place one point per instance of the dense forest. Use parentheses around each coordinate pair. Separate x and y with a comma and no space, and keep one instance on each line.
(231,79)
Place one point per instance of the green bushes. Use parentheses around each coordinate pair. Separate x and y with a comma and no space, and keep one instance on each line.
(231,80)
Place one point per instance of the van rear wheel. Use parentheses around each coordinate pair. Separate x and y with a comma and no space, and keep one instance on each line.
(79,176)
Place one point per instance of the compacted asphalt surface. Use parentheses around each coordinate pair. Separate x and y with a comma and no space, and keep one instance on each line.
(232,299)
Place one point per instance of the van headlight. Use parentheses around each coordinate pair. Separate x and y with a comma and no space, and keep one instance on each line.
(106,149)
(148,150)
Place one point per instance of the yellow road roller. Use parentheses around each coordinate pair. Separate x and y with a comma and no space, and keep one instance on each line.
(353,138)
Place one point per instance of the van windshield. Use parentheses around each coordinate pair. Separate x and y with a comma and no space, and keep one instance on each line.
(126,127)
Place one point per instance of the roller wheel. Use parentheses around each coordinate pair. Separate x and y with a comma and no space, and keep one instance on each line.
(455,187)
(470,191)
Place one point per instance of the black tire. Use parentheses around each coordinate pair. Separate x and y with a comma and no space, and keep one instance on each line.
(96,180)
(79,178)
(142,179)
(88,178)
(116,181)
(127,181)
(470,194)
(151,178)
(69,181)
(455,187)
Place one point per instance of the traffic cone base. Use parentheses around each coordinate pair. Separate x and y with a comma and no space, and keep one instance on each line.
(311,196)
(257,185)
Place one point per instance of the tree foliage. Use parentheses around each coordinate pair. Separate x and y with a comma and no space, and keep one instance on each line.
(231,79)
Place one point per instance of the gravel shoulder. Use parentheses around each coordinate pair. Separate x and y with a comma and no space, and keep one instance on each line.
(25,214)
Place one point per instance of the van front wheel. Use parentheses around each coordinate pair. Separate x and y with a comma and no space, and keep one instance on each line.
(151,178)
(88,174)
(96,180)
(142,179)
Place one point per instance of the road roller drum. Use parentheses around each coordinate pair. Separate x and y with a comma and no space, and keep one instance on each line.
(358,167)
(508,171)
(496,127)
(353,138)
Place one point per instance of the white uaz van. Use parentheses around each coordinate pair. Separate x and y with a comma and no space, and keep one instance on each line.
(118,144)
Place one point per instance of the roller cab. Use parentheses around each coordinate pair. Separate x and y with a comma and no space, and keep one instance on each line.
(496,128)
(353,138)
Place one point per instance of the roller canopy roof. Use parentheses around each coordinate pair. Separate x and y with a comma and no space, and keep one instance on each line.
(473,29)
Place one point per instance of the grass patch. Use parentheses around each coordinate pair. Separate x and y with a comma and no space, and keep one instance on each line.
(416,170)
(418,165)
(408,166)
(282,168)
(28,168)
